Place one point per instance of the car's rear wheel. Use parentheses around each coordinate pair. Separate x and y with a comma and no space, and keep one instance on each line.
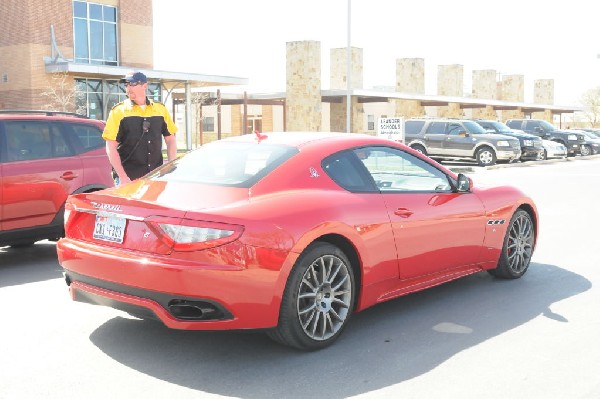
(318,299)
(419,148)
(518,247)
(485,156)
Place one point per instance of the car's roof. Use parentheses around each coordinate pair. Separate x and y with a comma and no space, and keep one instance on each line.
(47,115)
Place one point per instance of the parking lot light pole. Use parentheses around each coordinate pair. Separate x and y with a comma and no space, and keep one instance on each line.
(348,69)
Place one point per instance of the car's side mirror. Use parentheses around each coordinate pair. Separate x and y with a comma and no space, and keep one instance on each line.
(463,133)
(463,183)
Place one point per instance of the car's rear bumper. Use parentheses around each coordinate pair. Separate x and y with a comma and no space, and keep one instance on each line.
(182,295)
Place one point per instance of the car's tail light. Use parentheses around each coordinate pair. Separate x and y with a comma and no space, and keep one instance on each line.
(192,235)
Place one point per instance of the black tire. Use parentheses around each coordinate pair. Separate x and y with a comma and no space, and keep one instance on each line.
(517,248)
(318,299)
(586,150)
(485,156)
(419,148)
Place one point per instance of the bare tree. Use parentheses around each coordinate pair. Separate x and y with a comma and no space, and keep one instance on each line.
(62,94)
(591,103)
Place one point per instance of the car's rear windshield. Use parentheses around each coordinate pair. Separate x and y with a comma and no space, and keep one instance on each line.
(224,163)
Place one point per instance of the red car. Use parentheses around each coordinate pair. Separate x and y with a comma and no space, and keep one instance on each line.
(44,157)
(289,232)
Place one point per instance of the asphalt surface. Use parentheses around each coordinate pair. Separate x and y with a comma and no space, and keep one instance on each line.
(476,337)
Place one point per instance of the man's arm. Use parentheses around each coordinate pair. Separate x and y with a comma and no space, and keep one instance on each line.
(171,142)
(115,161)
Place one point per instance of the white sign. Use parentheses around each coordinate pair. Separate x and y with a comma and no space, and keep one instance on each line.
(391,128)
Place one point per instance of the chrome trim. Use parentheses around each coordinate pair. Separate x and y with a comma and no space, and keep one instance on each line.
(108,214)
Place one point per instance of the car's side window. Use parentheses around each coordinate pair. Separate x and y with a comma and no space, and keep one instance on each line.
(394,170)
(28,140)
(90,137)
(436,128)
(454,129)
(345,170)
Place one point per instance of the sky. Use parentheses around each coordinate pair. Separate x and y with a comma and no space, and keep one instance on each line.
(247,39)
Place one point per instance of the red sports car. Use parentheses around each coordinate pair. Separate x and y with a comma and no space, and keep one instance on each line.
(288,232)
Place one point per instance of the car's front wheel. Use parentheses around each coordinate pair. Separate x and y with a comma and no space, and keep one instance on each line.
(586,150)
(318,299)
(542,155)
(517,248)
(485,156)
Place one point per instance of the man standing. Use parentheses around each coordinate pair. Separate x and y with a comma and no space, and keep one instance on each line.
(134,132)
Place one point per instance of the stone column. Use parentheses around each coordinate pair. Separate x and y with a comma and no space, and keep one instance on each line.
(513,89)
(484,87)
(543,93)
(450,83)
(303,87)
(410,78)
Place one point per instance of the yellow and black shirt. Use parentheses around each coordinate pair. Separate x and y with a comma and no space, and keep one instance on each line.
(139,133)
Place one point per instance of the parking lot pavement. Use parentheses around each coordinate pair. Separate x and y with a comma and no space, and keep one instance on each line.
(472,167)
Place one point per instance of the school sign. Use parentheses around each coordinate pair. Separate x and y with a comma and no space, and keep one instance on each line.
(391,128)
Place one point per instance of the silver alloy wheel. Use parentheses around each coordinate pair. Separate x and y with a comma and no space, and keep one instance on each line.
(324,297)
(485,157)
(520,243)
(586,150)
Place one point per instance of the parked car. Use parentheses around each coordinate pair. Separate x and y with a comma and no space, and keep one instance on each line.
(452,139)
(548,131)
(531,145)
(553,149)
(591,145)
(288,232)
(44,157)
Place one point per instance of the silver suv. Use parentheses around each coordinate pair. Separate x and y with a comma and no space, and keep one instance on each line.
(460,139)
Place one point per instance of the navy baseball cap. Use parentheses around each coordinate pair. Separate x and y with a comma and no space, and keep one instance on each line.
(134,77)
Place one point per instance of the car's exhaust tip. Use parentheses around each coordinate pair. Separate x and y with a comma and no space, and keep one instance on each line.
(193,310)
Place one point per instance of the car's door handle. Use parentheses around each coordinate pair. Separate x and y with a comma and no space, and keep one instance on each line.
(403,212)
(68,176)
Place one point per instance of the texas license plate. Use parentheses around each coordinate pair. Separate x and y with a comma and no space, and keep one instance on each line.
(109,228)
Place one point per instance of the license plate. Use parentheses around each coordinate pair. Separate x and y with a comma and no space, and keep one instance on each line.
(109,228)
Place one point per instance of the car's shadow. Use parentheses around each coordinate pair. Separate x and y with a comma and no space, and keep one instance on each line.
(382,346)
(29,264)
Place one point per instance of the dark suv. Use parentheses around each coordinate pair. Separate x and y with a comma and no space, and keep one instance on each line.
(547,131)
(44,157)
(443,138)
(531,145)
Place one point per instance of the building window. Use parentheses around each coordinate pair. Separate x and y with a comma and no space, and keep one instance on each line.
(95,33)
(95,97)
(370,122)
(208,124)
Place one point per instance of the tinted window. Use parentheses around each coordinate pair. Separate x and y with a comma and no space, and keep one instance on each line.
(413,127)
(346,171)
(454,129)
(29,140)
(436,128)
(88,136)
(514,124)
